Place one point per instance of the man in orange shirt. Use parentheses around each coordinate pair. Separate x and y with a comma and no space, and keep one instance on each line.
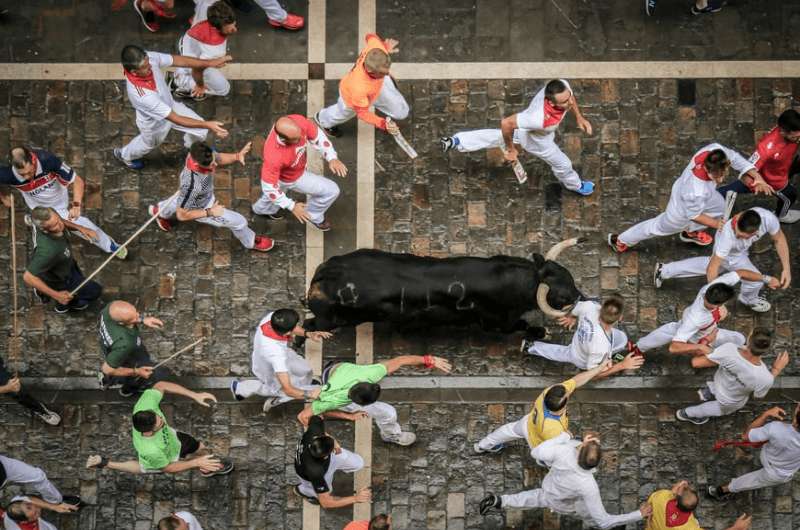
(379,522)
(368,83)
(674,510)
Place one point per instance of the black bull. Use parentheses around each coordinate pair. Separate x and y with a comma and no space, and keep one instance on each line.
(419,292)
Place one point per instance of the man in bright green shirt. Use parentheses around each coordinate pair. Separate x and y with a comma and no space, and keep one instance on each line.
(352,387)
(52,270)
(160,447)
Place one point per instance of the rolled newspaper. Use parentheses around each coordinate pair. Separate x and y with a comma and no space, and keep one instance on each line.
(402,142)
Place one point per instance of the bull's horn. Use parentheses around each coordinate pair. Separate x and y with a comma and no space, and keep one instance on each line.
(556,249)
(541,300)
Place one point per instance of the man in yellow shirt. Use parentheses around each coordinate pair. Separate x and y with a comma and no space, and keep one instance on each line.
(368,83)
(547,419)
(673,510)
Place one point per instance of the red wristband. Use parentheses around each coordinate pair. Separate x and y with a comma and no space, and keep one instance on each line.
(428,361)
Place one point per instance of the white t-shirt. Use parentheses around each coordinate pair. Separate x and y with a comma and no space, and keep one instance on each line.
(272,356)
(536,118)
(590,341)
(691,194)
(152,107)
(697,321)
(781,453)
(189,519)
(736,377)
(729,247)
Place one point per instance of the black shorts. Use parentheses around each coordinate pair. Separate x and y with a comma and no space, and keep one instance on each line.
(188,444)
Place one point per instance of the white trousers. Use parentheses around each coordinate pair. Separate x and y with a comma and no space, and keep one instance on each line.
(385,417)
(389,101)
(320,191)
(762,478)
(663,336)
(213,79)
(568,353)
(661,225)
(713,409)
(541,146)
(346,461)
(688,268)
(516,430)
(103,241)
(300,376)
(18,472)
(233,221)
(150,138)
(273,9)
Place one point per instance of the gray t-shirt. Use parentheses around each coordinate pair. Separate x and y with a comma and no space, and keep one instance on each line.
(737,377)
(781,453)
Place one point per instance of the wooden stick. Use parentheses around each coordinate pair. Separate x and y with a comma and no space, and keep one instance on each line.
(13,347)
(182,350)
(402,142)
(125,244)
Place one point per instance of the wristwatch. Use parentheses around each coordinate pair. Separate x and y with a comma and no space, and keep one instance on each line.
(766,278)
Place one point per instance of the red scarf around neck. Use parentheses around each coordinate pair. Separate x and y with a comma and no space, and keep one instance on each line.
(699,168)
(676,516)
(148,82)
(266,329)
(206,33)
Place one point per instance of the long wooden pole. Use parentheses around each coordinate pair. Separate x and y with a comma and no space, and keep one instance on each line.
(14,346)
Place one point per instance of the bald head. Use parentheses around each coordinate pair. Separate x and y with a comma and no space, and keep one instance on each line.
(123,312)
(288,130)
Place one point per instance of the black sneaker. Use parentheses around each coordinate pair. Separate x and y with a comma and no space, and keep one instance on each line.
(333,132)
(447,143)
(311,500)
(657,279)
(80,307)
(489,503)
(680,415)
(280,214)
(125,392)
(227,467)
(649,7)
(708,9)
(716,493)
(74,500)
(705,394)
(525,345)
(61,309)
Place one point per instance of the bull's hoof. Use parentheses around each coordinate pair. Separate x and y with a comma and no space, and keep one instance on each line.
(535,333)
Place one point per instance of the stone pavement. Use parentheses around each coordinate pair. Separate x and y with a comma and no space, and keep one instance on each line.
(434,484)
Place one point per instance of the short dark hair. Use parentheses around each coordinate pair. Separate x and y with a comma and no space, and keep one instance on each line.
(760,341)
(132,57)
(284,320)
(716,160)
(15,512)
(556,86)
(612,307)
(220,14)
(380,522)
(19,156)
(687,501)
(321,446)
(789,120)
(169,522)
(590,454)
(144,420)
(719,293)
(364,393)
(556,397)
(201,153)
(749,221)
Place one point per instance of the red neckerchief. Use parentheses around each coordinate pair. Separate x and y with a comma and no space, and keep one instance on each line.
(552,115)
(206,33)
(148,82)
(266,329)
(716,314)
(699,168)
(676,516)
(735,223)
(191,165)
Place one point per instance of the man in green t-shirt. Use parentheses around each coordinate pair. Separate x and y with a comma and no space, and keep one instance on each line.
(52,270)
(353,387)
(160,447)
(127,362)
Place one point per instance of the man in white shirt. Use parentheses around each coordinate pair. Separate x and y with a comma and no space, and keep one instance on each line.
(780,454)
(694,203)
(156,111)
(696,333)
(213,22)
(25,512)
(179,521)
(595,340)
(740,372)
(13,471)
(569,488)
(731,252)
(282,374)
(534,130)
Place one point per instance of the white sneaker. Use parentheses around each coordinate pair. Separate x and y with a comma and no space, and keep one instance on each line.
(404,438)
(270,403)
(792,216)
(657,280)
(48,416)
(759,306)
